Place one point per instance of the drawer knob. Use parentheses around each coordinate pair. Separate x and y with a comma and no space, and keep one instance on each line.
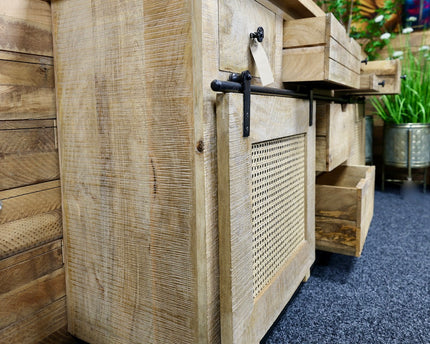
(259,34)
(1,205)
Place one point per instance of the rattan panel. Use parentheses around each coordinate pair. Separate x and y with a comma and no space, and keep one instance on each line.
(24,234)
(278,205)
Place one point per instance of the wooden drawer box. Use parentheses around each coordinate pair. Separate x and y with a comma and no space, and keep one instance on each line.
(319,50)
(344,209)
(377,78)
(334,130)
(386,72)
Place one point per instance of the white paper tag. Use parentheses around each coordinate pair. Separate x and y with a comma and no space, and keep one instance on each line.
(262,62)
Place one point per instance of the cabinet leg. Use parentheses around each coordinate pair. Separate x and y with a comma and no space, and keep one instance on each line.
(307,275)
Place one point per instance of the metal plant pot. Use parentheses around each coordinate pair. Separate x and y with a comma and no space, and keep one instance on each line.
(409,142)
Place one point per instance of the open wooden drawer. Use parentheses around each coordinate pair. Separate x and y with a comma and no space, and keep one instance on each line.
(344,209)
(318,50)
(377,78)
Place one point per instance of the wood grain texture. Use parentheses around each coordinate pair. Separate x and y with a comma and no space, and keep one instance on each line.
(18,170)
(319,50)
(24,272)
(357,155)
(344,209)
(29,124)
(304,32)
(245,319)
(37,326)
(378,78)
(28,153)
(335,132)
(28,255)
(26,102)
(32,288)
(237,19)
(388,71)
(26,140)
(34,11)
(28,299)
(13,73)
(20,57)
(26,27)
(29,200)
(127,155)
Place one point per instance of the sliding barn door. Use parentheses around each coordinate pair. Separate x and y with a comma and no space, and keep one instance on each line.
(266,210)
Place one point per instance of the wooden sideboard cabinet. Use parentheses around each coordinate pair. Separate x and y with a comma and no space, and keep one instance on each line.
(140,167)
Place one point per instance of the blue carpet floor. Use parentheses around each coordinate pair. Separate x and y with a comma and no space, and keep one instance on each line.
(381,297)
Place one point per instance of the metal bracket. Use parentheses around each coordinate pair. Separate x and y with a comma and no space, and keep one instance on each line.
(244,79)
(241,83)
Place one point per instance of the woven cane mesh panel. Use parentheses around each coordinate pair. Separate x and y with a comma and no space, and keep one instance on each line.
(24,234)
(278,205)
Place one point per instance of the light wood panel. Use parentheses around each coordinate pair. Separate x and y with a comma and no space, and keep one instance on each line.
(26,102)
(26,74)
(357,155)
(127,154)
(20,57)
(26,300)
(237,19)
(378,78)
(27,140)
(26,27)
(18,170)
(245,318)
(27,255)
(44,262)
(32,288)
(29,153)
(335,132)
(319,50)
(38,326)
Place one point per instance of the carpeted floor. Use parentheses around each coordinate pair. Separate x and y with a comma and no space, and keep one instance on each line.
(381,297)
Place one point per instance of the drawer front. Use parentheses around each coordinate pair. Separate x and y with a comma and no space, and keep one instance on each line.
(237,19)
(335,129)
(386,71)
(319,50)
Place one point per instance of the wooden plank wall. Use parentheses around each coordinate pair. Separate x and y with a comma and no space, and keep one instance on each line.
(32,286)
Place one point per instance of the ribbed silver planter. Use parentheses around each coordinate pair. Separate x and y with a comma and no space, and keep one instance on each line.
(404,141)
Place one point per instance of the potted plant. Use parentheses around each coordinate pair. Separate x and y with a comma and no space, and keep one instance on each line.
(406,115)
